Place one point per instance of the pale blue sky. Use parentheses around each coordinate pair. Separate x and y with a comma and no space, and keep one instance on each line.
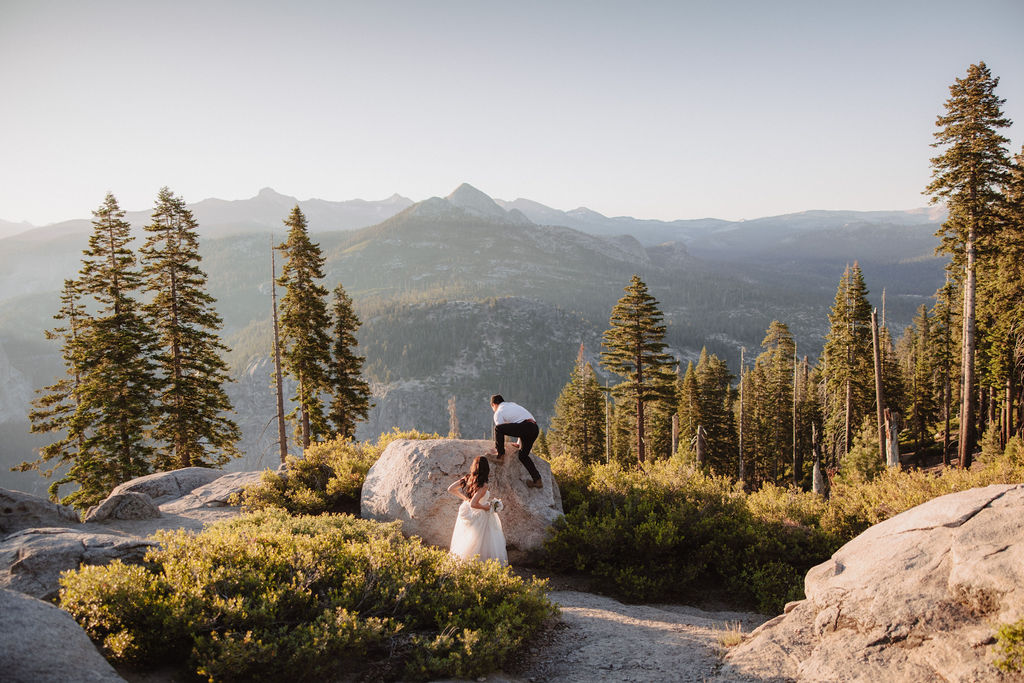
(730,109)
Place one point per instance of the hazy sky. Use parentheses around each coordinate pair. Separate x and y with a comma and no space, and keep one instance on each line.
(728,109)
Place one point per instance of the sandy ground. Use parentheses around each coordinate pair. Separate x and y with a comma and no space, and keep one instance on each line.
(601,639)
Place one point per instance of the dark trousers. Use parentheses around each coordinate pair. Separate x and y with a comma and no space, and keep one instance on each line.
(527,433)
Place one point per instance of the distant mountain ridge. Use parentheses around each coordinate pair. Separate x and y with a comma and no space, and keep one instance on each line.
(465,295)
(268,209)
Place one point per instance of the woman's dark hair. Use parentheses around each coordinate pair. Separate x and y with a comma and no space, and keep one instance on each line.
(477,477)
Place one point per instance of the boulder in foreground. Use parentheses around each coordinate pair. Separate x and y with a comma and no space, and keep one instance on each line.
(914,598)
(410,480)
(40,642)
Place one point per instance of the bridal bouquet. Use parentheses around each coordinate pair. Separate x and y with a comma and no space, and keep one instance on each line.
(497,505)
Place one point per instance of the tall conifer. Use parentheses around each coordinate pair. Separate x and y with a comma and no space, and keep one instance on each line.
(635,349)
(118,378)
(716,399)
(304,327)
(577,427)
(777,363)
(192,416)
(943,351)
(56,409)
(350,401)
(967,176)
(848,362)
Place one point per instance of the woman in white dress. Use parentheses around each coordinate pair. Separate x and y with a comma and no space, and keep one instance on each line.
(478,530)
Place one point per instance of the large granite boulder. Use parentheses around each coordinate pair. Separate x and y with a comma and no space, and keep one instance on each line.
(47,539)
(409,483)
(39,642)
(32,560)
(163,487)
(126,505)
(216,494)
(915,598)
(20,510)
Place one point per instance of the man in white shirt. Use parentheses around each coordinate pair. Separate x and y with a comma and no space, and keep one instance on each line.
(511,419)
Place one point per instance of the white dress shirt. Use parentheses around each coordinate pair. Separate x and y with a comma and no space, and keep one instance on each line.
(509,412)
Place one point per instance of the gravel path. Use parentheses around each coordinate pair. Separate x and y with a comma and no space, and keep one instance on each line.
(601,639)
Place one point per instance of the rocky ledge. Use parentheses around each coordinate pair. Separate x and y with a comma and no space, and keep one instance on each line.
(915,598)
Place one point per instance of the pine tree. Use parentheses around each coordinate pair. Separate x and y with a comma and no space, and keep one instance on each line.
(1001,291)
(454,431)
(967,176)
(304,324)
(56,409)
(716,398)
(350,392)
(943,351)
(192,416)
(577,427)
(920,371)
(118,378)
(635,349)
(848,362)
(777,395)
(689,405)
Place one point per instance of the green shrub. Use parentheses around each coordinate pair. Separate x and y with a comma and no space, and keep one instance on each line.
(863,463)
(328,478)
(665,533)
(1010,646)
(268,597)
(853,507)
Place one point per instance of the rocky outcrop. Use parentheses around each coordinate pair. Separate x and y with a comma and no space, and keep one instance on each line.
(127,505)
(39,642)
(162,487)
(47,539)
(31,560)
(216,494)
(20,510)
(914,598)
(410,480)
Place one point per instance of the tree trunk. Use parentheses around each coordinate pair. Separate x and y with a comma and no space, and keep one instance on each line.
(1008,408)
(879,395)
(305,414)
(740,468)
(848,435)
(892,439)
(282,434)
(797,465)
(968,397)
(700,446)
(946,401)
(675,433)
(641,451)
(818,482)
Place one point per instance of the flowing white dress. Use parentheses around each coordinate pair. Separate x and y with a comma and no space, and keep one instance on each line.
(478,534)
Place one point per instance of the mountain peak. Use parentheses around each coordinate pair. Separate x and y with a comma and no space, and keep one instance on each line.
(477,203)
(466,196)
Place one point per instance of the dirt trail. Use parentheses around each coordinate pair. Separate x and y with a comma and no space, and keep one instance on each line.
(601,639)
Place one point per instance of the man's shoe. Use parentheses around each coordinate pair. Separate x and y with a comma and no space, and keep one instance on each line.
(535,484)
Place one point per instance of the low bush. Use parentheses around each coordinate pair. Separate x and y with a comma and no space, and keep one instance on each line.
(328,478)
(855,506)
(271,597)
(1010,647)
(664,534)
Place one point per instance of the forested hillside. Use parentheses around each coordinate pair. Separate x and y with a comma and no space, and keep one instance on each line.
(460,297)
